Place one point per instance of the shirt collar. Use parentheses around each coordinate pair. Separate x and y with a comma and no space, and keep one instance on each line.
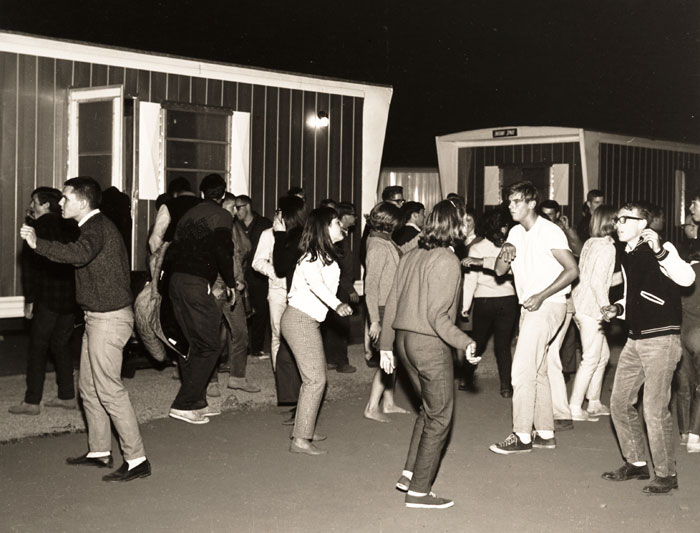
(88,217)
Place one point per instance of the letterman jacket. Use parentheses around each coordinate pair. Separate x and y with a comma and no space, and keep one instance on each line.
(651,304)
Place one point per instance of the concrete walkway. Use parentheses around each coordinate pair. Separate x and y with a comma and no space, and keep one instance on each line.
(235,474)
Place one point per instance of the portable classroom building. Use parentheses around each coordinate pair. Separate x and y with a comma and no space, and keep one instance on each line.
(565,163)
(136,120)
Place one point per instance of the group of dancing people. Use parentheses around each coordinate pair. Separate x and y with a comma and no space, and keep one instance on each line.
(421,272)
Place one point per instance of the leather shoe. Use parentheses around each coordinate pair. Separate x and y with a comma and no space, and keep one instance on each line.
(563,424)
(84,460)
(626,472)
(311,450)
(661,485)
(124,474)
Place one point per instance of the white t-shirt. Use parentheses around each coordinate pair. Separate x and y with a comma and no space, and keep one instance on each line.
(534,266)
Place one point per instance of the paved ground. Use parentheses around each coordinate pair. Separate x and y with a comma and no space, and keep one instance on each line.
(235,474)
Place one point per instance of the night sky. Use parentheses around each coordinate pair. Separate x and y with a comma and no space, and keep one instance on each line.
(629,67)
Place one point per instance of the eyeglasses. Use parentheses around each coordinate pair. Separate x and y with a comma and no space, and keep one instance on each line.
(399,200)
(624,218)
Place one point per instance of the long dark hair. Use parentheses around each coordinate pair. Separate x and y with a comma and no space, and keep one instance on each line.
(315,239)
(293,211)
(444,226)
(490,226)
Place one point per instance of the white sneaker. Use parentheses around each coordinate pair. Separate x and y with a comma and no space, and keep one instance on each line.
(693,444)
(580,415)
(208,411)
(598,409)
(191,417)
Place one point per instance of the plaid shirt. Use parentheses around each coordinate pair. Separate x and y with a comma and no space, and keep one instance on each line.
(43,281)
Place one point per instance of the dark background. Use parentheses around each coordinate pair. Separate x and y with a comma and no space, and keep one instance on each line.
(629,67)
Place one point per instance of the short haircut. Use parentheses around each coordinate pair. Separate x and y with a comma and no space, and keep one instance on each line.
(229,197)
(527,189)
(345,208)
(50,195)
(444,226)
(454,195)
(179,185)
(328,202)
(593,194)
(385,217)
(86,188)
(391,190)
(295,191)
(692,195)
(602,223)
(293,211)
(409,208)
(549,204)
(213,187)
(641,207)
(244,200)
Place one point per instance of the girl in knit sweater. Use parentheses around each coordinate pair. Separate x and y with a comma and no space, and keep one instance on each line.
(380,266)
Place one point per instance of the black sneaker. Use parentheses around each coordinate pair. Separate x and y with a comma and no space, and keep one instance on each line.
(540,442)
(429,501)
(512,444)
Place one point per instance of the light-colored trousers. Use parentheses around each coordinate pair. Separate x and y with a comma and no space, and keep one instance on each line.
(104,397)
(560,401)
(532,398)
(277,300)
(303,334)
(594,359)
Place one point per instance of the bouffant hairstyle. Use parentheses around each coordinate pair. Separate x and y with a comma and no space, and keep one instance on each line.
(315,239)
(293,210)
(444,226)
(602,223)
(384,217)
(490,226)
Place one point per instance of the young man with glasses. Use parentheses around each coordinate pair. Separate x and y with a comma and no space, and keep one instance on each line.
(653,273)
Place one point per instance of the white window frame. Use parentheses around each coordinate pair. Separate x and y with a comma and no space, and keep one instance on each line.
(115,94)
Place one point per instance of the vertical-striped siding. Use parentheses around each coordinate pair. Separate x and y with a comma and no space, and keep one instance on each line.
(471,170)
(630,173)
(327,162)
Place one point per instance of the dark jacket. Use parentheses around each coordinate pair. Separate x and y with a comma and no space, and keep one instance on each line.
(286,254)
(45,282)
(203,244)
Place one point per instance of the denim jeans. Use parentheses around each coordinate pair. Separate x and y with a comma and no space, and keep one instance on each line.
(101,388)
(596,353)
(648,362)
(532,397)
(49,331)
(688,375)
(428,363)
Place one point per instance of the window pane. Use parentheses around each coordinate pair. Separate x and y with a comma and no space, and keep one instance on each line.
(191,155)
(98,167)
(95,127)
(202,126)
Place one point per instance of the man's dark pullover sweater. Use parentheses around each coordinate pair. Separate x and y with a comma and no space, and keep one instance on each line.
(203,244)
(653,302)
(102,279)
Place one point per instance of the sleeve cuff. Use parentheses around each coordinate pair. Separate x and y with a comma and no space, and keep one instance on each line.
(663,254)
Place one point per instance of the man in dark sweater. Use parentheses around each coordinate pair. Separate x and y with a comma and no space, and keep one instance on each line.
(102,291)
(254,224)
(170,213)
(201,250)
(651,307)
(49,296)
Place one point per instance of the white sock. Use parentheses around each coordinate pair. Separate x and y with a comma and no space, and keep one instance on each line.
(133,463)
(407,474)
(525,438)
(693,438)
(640,463)
(94,455)
(545,434)
(418,494)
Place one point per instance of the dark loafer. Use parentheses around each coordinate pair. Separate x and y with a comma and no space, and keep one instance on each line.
(84,460)
(661,485)
(626,472)
(124,474)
